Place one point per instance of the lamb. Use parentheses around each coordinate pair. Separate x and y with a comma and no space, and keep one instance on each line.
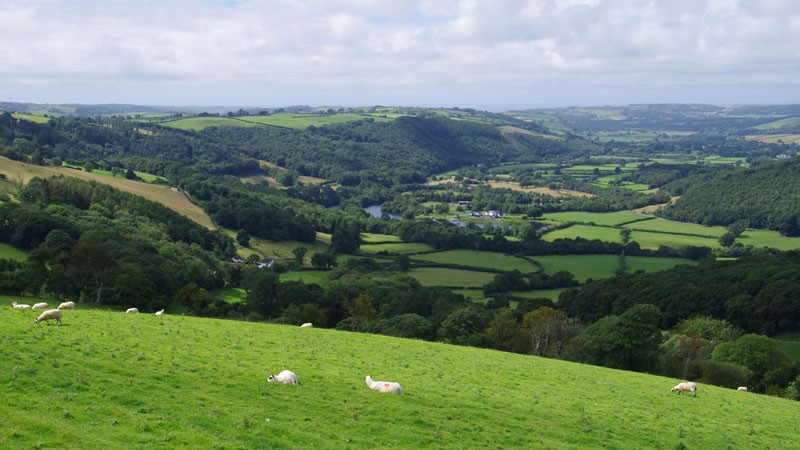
(686,386)
(285,377)
(742,388)
(67,305)
(20,305)
(159,312)
(54,314)
(307,325)
(390,387)
(42,305)
(132,311)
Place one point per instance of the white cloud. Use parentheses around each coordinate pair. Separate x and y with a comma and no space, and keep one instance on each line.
(474,44)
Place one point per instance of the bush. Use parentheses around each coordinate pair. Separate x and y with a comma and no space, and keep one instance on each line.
(725,374)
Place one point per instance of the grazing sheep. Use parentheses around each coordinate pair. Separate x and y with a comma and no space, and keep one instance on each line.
(285,377)
(132,311)
(54,314)
(384,386)
(159,312)
(742,388)
(686,386)
(67,305)
(20,305)
(42,305)
(307,325)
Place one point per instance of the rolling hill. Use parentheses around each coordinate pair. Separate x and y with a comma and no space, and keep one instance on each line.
(105,379)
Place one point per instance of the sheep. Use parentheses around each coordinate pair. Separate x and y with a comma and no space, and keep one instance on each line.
(67,305)
(41,305)
(307,325)
(686,386)
(390,387)
(742,388)
(20,305)
(159,312)
(285,377)
(132,311)
(54,314)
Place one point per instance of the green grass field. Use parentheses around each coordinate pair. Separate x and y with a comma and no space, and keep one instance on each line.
(670,226)
(400,248)
(8,251)
(306,276)
(609,219)
(771,239)
(229,295)
(791,348)
(589,232)
(30,117)
(200,123)
(371,238)
(552,294)
(652,241)
(282,251)
(479,259)
(440,276)
(598,267)
(302,121)
(107,380)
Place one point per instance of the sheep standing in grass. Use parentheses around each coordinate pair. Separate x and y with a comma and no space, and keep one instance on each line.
(285,377)
(132,311)
(742,388)
(67,305)
(390,387)
(54,314)
(307,325)
(159,312)
(686,386)
(20,305)
(42,305)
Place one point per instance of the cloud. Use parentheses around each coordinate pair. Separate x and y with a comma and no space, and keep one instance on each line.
(415,43)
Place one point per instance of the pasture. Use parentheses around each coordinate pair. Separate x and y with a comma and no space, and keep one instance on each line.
(456,278)
(302,121)
(171,198)
(306,276)
(596,267)
(200,123)
(374,238)
(589,232)
(282,251)
(607,219)
(105,380)
(774,138)
(473,258)
(395,248)
(8,251)
(229,295)
(768,238)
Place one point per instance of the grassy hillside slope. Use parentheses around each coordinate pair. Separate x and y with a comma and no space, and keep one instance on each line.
(105,379)
(170,198)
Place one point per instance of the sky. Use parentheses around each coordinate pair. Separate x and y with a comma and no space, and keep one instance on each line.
(492,55)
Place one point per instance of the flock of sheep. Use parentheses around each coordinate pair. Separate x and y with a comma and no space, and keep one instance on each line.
(287,376)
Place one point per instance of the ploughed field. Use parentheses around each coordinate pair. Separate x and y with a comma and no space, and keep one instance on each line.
(105,379)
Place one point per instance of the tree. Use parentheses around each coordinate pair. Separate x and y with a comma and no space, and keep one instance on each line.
(463,325)
(93,263)
(727,239)
(243,238)
(503,332)
(346,237)
(130,174)
(299,253)
(768,365)
(547,330)
(323,260)
(262,288)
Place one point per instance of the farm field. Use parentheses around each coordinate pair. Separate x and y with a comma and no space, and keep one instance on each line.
(229,295)
(670,226)
(472,258)
(400,248)
(606,234)
(635,263)
(652,240)
(171,198)
(767,238)
(302,121)
(371,238)
(8,251)
(306,276)
(597,267)
(608,219)
(200,123)
(30,117)
(457,278)
(552,294)
(105,379)
(281,251)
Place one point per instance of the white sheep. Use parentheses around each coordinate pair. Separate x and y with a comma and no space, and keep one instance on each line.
(132,311)
(159,312)
(307,325)
(67,305)
(285,377)
(20,305)
(686,386)
(41,305)
(742,388)
(54,314)
(384,386)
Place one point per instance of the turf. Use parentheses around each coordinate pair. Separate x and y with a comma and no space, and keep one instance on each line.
(479,259)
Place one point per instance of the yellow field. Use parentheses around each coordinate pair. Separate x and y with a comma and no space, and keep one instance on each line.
(774,138)
(169,197)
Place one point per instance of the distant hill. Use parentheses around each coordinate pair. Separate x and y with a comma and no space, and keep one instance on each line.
(766,196)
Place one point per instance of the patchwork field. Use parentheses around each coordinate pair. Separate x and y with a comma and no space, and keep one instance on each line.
(306,276)
(606,234)
(608,219)
(106,380)
(401,248)
(440,276)
(472,258)
(596,267)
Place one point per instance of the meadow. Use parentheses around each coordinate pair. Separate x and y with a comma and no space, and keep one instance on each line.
(306,276)
(607,219)
(282,120)
(597,267)
(395,248)
(8,251)
(105,379)
(589,232)
(458,278)
(473,258)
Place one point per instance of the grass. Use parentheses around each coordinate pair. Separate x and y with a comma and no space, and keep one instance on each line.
(282,120)
(401,248)
(31,117)
(774,138)
(791,348)
(8,251)
(374,238)
(458,278)
(767,238)
(200,123)
(608,219)
(598,267)
(105,379)
(552,294)
(171,198)
(588,232)
(306,276)
(652,241)
(282,251)
(473,258)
